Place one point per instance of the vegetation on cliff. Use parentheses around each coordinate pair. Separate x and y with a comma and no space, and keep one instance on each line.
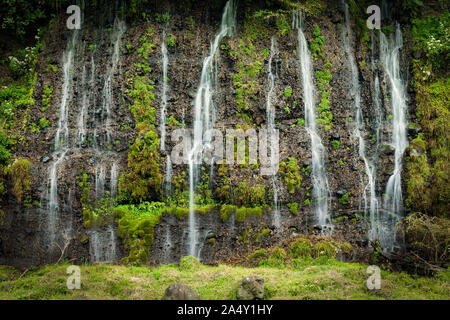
(137,208)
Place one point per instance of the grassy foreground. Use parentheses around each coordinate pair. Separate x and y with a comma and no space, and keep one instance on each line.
(314,279)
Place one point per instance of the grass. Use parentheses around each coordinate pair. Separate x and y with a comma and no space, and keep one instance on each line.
(310,279)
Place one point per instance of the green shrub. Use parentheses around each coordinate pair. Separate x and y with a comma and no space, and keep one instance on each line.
(293,208)
(429,237)
(276,259)
(288,92)
(260,235)
(46,97)
(226,210)
(44,122)
(316,45)
(300,248)
(243,213)
(142,180)
(344,198)
(300,122)
(259,254)
(324,249)
(336,144)
(245,195)
(189,263)
(290,170)
(170,41)
(19,171)
(136,228)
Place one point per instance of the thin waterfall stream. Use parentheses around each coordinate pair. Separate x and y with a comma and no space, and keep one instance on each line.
(371,204)
(393,202)
(270,115)
(203,116)
(165,80)
(320,189)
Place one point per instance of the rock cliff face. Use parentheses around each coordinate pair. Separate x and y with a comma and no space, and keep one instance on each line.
(92,128)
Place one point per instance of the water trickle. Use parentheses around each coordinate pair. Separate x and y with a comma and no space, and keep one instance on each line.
(165,62)
(168,177)
(102,245)
(377,97)
(203,119)
(270,115)
(393,203)
(320,192)
(369,192)
(113,181)
(84,106)
(108,102)
(100,176)
(61,140)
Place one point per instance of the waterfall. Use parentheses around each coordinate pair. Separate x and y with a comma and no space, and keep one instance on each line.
(83,113)
(270,114)
(377,97)
(61,138)
(320,191)
(79,76)
(116,36)
(100,176)
(371,204)
(165,61)
(119,29)
(393,203)
(168,177)
(102,244)
(86,99)
(113,181)
(375,222)
(204,116)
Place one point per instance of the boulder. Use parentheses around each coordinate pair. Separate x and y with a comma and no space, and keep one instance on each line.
(179,291)
(250,288)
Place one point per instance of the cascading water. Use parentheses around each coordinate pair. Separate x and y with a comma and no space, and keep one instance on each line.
(375,222)
(113,181)
(270,114)
(79,129)
(393,203)
(377,97)
(83,113)
(165,62)
(204,116)
(102,244)
(319,180)
(86,99)
(61,139)
(371,205)
(100,177)
(118,31)
(168,177)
